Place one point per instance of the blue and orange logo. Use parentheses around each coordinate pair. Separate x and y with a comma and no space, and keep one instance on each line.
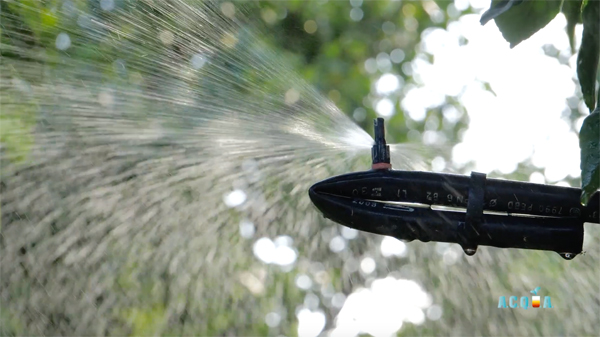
(523,302)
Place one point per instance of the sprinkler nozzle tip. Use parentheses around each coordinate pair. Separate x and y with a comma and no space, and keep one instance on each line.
(380,152)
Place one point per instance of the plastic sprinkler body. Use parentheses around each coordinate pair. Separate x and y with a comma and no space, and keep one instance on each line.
(380,152)
(370,201)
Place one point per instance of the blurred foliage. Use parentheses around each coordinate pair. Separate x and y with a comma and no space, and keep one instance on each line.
(521,19)
(572,12)
(590,154)
(589,54)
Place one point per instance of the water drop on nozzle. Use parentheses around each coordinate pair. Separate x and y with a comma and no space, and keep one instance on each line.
(470,251)
(567,256)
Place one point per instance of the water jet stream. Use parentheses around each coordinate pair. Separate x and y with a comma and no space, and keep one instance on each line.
(144,121)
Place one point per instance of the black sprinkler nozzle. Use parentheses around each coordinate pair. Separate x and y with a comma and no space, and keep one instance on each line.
(380,152)
(469,210)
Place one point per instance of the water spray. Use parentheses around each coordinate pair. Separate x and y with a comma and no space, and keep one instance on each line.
(470,211)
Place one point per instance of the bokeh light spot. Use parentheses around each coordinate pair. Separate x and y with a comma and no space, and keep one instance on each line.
(385,107)
(107,5)
(247,229)
(228,9)
(367,265)
(387,84)
(356,14)
(310,323)
(310,26)
(197,61)
(349,233)
(337,244)
(235,198)
(63,41)
(392,247)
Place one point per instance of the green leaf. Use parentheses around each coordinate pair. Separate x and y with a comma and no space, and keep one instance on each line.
(587,60)
(518,20)
(497,8)
(572,11)
(589,137)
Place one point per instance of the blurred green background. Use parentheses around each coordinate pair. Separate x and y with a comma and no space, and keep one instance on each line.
(341,48)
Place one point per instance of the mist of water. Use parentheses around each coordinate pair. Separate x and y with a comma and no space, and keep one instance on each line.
(139,169)
(148,143)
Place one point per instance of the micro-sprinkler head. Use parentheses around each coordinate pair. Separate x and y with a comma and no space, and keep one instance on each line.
(382,201)
(380,152)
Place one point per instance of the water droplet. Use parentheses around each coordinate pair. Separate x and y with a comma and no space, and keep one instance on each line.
(392,247)
(84,21)
(272,319)
(470,251)
(349,233)
(338,300)
(337,244)
(166,37)
(246,229)
(434,312)
(567,256)
(359,114)
(69,8)
(284,256)
(284,240)
(63,41)
(107,5)
(235,198)
(303,282)
(291,96)
(106,99)
(264,250)
(269,16)
(367,265)
(197,61)
(229,40)
(228,9)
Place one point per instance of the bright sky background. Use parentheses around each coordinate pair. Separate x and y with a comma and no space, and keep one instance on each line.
(523,120)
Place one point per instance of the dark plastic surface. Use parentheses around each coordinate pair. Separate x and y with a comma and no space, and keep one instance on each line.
(453,190)
(380,152)
(535,216)
(562,235)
